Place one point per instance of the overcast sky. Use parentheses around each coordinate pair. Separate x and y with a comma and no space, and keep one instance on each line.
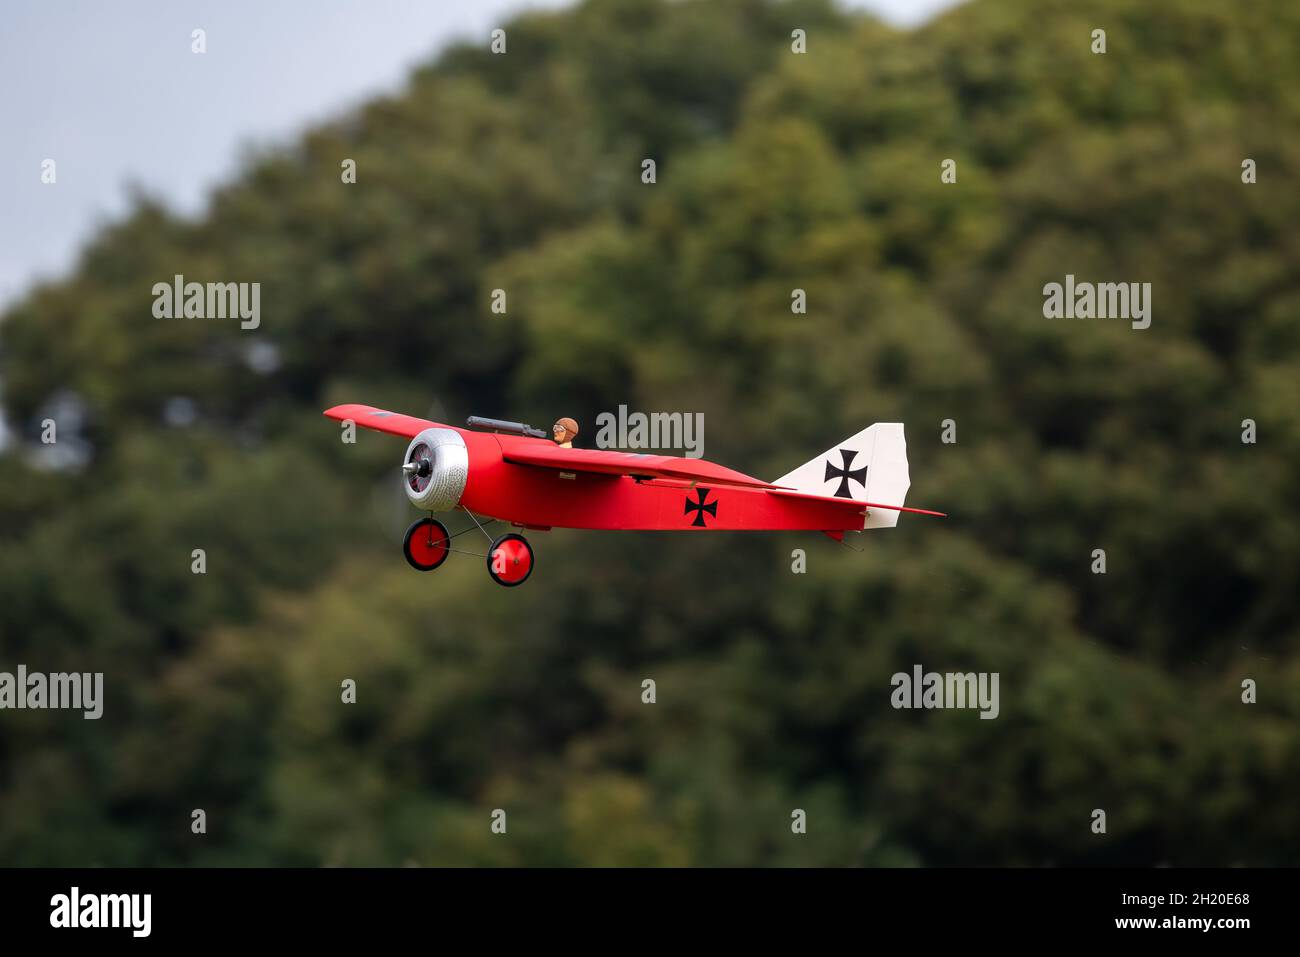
(111,92)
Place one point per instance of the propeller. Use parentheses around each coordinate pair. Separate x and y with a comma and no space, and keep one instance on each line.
(419,467)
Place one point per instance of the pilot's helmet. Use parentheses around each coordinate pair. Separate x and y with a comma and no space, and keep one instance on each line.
(565,429)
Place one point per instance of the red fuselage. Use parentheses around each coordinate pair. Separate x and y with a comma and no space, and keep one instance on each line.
(539,497)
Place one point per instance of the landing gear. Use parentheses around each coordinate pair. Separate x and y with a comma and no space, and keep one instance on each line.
(510,560)
(426,545)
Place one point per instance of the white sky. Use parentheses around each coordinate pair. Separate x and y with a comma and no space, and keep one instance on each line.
(111,92)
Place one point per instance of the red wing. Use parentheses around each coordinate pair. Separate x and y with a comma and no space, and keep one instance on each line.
(541,454)
(851,502)
(394,423)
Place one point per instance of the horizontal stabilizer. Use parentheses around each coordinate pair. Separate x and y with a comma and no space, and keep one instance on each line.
(854,503)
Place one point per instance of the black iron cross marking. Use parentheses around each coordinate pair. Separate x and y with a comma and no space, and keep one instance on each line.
(699,508)
(843,474)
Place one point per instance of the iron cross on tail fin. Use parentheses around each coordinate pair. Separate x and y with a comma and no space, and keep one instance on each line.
(870,468)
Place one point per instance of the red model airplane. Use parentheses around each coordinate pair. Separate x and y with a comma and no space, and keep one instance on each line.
(512,473)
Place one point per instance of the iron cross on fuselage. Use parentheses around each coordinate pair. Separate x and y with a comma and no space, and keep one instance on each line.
(700,507)
(844,474)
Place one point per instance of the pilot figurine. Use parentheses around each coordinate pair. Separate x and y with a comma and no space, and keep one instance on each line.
(564,432)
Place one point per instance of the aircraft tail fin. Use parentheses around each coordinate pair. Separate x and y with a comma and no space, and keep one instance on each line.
(869,467)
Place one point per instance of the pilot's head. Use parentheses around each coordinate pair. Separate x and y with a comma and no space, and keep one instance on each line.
(564,431)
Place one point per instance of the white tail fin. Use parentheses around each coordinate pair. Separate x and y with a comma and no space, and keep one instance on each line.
(868,467)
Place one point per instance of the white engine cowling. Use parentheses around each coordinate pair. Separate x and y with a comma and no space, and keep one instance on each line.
(435,470)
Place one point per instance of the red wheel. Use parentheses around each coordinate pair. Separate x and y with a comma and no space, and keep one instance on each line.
(426,545)
(510,560)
